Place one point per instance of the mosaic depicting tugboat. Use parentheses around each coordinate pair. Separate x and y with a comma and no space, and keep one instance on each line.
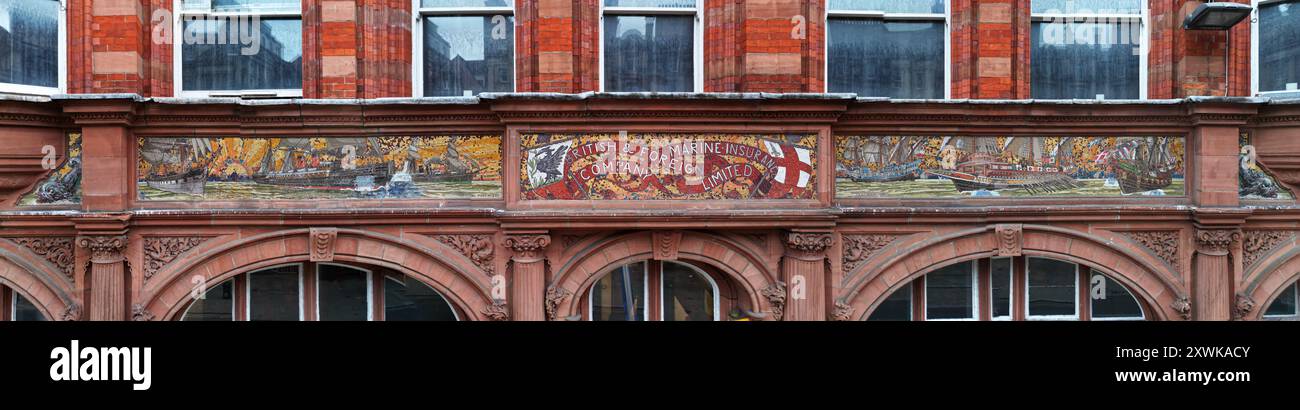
(428,167)
(992,166)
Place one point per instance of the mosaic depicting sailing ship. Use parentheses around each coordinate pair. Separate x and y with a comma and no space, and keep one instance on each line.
(451,167)
(876,166)
(183,165)
(339,164)
(983,170)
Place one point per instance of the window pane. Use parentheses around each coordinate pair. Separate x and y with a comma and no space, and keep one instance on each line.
(243,5)
(467,55)
(273,294)
(467,3)
(1112,300)
(1086,6)
(897,307)
(1082,60)
(1284,305)
(29,42)
(1279,46)
(949,293)
(620,295)
(342,293)
(1001,281)
(649,53)
(886,59)
(273,61)
(1051,287)
(25,311)
(217,305)
(407,299)
(889,6)
(688,295)
(687,4)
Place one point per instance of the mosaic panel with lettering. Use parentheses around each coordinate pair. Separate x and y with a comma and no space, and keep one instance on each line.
(668,166)
(875,166)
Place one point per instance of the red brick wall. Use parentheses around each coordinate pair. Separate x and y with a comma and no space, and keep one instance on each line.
(990,48)
(108,46)
(764,46)
(557,46)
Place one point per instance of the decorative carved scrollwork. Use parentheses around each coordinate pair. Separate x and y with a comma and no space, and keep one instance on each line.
(528,246)
(140,314)
(1256,244)
(775,295)
(859,248)
(478,248)
(1162,244)
(1183,306)
(1242,306)
(104,249)
(160,251)
(1216,242)
(554,296)
(497,311)
(842,312)
(56,250)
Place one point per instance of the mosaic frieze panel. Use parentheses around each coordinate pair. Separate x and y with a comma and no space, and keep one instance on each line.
(428,167)
(870,166)
(63,186)
(632,166)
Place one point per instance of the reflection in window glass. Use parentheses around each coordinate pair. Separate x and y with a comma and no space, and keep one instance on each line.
(897,307)
(273,294)
(29,42)
(468,55)
(1084,60)
(261,6)
(1111,300)
(272,62)
(217,305)
(342,293)
(1086,6)
(1279,46)
(620,295)
(686,4)
(889,6)
(688,295)
(1000,279)
(649,53)
(1285,304)
(886,58)
(1051,287)
(466,3)
(407,299)
(950,292)
(25,311)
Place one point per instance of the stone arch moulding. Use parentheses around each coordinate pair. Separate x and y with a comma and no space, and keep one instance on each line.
(169,292)
(48,289)
(1262,282)
(1163,298)
(580,272)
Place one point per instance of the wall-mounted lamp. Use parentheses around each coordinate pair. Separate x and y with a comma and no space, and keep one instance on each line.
(1216,16)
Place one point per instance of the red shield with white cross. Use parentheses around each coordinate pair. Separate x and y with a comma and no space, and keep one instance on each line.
(793,171)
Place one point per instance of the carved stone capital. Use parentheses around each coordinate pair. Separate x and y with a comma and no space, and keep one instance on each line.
(322,244)
(528,247)
(808,244)
(1216,242)
(1010,239)
(104,249)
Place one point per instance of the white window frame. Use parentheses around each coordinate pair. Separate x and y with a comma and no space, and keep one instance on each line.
(1011,289)
(1074,298)
(395,278)
(645,290)
(248,291)
(1144,48)
(178,62)
(717,298)
(370,289)
(697,50)
(417,40)
(1295,295)
(1255,23)
(1092,312)
(11,88)
(234,312)
(880,15)
(974,295)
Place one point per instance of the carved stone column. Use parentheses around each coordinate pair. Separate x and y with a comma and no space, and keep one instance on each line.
(107,276)
(1212,280)
(528,276)
(804,272)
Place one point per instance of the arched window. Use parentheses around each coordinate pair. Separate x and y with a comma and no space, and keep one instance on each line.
(15,307)
(1284,306)
(320,292)
(654,290)
(1019,288)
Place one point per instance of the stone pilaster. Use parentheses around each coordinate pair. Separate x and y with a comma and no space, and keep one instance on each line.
(1212,280)
(107,276)
(804,271)
(528,276)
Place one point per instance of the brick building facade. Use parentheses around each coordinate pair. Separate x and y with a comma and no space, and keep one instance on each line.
(512,204)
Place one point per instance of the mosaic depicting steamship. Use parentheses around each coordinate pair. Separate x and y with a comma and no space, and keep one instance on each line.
(182,165)
(302,165)
(982,171)
(883,159)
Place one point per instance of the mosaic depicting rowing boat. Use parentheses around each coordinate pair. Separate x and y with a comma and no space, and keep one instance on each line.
(870,166)
(417,167)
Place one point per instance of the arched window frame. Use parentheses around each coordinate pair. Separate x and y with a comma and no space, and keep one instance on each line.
(653,279)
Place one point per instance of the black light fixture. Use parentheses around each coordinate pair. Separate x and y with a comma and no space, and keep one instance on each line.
(1216,16)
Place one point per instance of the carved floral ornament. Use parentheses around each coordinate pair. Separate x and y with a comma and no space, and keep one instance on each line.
(775,295)
(56,250)
(497,311)
(1256,244)
(1162,244)
(555,296)
(1242,306)
(104,249)
(860,247)
(1183,306)
(160,251)
(478,248)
